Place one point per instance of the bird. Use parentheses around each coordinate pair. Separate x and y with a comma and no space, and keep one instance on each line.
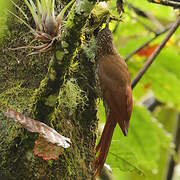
(114,83)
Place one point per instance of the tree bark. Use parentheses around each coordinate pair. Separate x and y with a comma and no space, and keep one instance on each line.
(29,84)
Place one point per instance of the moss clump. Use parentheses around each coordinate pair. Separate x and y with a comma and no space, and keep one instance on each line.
(15,97)
(85,5)
(70,96)
(89,49)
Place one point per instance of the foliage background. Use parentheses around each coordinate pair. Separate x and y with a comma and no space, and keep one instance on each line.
(145,153)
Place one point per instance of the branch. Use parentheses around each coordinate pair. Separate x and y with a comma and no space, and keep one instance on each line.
(146,43)
(173,3)
(156,53)
(59,64)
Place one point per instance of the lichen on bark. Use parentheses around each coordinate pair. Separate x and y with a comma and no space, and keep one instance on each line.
(35,85)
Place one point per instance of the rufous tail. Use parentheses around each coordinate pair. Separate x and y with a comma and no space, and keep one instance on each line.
(103,146)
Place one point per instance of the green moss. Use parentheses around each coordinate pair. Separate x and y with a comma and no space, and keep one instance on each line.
(59,56)
(70,96)
(89,49)
(64,44)
(15,97)
(52,74)
(100,11)
(38,107)
(11,136)
(70,23)
(74,67)
(37,101)
(84,6)
(16,147)
(51,100)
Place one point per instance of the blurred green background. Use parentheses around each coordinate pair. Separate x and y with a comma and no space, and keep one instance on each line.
(4,5)
(146,152)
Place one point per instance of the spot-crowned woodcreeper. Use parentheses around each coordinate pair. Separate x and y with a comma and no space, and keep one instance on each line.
(115,86)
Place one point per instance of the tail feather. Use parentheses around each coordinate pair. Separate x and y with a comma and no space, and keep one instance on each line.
(104,144)
(104,134)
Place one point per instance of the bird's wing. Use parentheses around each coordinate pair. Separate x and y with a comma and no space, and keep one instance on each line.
(117,91)
(120,104)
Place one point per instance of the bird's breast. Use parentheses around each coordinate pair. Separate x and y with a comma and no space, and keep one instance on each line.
(112,72)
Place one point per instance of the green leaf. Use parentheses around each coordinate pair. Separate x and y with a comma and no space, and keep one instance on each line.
(163,77)
(165,85)
(61,14)
(33,11)
(123,158)
(39,8)
(140,151)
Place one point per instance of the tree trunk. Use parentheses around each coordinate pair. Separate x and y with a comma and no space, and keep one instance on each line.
(57,88)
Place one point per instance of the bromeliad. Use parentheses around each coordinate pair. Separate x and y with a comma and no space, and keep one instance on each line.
(48,27)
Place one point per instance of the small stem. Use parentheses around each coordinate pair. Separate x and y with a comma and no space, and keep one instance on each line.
(146,43)
(172,162)
(173,3)
(155,53)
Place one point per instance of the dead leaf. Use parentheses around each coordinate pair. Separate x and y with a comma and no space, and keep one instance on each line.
(36,126)
(147,50)
(46,150)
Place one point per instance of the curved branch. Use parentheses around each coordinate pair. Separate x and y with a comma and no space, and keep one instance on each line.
(156,53)
(146,43)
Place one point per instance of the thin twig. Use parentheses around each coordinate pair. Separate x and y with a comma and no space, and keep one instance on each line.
(155,53)
(146,43)
(173,3)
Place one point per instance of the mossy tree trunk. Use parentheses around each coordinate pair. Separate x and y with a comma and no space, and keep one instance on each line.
(57,88)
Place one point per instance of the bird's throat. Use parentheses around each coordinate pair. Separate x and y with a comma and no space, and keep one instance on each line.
(105,43)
